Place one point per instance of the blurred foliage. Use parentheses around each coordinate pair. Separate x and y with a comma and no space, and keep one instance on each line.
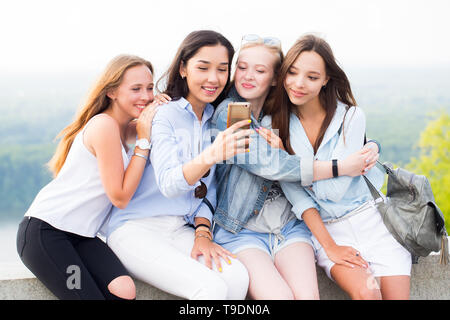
(434,160)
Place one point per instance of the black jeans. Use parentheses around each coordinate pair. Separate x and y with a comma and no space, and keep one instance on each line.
(71,266)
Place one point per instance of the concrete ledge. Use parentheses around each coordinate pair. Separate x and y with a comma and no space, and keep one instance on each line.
(429,281)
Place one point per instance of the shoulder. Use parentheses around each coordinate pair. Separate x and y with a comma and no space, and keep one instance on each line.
(101,130)
(101,124)
(168,110)
(354,114)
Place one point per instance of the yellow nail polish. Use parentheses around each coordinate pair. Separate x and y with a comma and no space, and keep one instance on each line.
(220,269)
(249,121)
(229,261)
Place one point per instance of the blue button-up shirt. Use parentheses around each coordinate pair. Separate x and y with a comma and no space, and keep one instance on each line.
(177,138)
(335,197)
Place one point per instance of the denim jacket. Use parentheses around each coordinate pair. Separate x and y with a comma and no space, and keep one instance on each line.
(244,181)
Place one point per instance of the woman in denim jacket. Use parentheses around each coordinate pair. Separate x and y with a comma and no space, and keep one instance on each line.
(317,116)
(253,218)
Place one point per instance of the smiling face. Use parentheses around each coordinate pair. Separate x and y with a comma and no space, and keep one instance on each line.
(134,92)
(254,73)
(206,74)
(305,78)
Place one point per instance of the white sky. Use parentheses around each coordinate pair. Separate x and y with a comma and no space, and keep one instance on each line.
(48,36)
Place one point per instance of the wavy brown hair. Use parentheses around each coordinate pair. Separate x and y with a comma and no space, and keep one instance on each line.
(96,102)
(337,89)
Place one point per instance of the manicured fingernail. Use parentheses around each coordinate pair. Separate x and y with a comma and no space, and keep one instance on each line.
(366,169)
(367,161)
(229,261)
(248,150)
(220,269)
(249,121)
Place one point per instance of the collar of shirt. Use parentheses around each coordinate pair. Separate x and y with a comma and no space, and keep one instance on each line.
(332,129)
(207,112)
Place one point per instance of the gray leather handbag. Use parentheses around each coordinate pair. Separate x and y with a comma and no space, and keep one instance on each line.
(410,213)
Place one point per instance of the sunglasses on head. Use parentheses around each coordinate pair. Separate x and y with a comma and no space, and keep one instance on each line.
(201,191)
(254,38)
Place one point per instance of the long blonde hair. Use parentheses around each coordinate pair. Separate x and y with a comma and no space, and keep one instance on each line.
(96,102)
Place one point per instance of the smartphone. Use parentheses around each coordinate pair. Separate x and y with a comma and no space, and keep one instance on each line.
(238,111)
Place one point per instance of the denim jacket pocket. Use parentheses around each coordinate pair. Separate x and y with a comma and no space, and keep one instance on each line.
(21,235)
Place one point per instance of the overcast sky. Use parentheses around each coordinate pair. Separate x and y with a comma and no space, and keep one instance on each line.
(47,36)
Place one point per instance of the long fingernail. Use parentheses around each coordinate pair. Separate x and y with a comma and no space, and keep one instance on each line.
(229,261)
(220,269)
(249,121)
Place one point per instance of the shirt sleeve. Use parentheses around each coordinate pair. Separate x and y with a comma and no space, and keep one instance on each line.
(265,161)
(298,197)
(353,130)
(165,160)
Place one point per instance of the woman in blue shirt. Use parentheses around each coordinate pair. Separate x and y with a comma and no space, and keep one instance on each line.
(317,117)
(253,218)
(154,235)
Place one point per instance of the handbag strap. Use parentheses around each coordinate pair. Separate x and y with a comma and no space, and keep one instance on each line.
(373,191)
(210,206)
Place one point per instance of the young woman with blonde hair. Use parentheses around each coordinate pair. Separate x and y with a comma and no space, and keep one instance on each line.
(57,239)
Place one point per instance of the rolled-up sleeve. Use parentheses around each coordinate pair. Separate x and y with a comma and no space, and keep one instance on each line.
(165,159)
(298,197)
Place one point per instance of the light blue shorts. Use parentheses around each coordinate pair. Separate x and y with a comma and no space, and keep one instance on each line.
(294,231)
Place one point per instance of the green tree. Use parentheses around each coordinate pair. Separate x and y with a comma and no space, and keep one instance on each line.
(434,161)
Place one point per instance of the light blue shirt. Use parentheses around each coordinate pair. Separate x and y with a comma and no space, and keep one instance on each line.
(177,137)
(334,197)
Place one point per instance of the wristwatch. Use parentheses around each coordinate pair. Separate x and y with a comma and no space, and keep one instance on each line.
(143,144)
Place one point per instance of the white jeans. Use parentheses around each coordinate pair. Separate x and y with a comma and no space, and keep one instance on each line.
(157,251)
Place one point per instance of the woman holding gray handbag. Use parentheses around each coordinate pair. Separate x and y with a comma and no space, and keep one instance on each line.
(317,116)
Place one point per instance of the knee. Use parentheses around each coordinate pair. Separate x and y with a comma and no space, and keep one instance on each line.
(365,293)
(123,287)
(312,295)
(213,290)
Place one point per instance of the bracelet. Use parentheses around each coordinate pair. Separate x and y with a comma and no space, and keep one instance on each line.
(140,155)
(335,168)
(201,225)
(207,231)
(203,236)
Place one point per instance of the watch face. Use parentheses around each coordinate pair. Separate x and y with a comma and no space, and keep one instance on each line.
(143,144)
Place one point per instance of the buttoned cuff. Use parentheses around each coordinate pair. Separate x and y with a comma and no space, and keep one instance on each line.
(203,211)
(306,171)
(377,143)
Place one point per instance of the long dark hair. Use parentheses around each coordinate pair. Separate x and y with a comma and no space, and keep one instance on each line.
(175,86)
(337,88)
